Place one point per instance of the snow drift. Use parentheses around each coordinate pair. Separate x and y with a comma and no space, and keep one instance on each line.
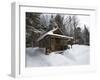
(77,55)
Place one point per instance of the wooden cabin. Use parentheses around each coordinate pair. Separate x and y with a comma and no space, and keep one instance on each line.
(54,40)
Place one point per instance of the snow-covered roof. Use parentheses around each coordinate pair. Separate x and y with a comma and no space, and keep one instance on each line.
(51,33)
(61,36)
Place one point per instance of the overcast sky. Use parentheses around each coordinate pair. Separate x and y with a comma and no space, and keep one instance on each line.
(84,20)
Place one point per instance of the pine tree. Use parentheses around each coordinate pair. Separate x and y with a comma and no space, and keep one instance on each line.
(32,24)
(51,23)
(86,36)
(60,22)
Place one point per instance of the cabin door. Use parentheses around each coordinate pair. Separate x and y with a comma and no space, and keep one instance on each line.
(57,44)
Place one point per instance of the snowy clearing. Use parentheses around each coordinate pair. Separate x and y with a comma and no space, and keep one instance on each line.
(77,55)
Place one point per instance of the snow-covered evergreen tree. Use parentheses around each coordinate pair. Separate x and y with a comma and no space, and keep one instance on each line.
(86,35)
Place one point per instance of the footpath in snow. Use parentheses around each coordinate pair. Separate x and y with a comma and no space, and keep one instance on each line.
(77,55)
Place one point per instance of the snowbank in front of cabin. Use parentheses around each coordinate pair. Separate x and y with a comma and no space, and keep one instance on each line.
(77,55)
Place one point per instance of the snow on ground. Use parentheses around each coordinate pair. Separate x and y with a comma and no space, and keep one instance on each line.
(77,55)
